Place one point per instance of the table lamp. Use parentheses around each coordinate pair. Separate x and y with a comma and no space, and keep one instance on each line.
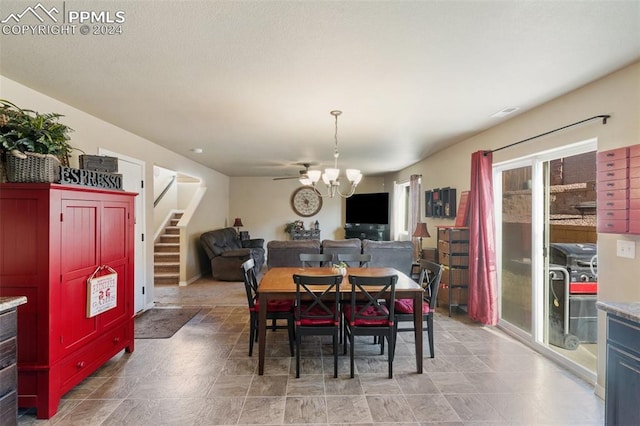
(420,232)
(238,223)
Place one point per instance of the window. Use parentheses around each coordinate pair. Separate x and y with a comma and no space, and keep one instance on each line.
(401,208)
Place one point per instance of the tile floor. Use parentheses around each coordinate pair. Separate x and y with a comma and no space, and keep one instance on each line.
(203,376)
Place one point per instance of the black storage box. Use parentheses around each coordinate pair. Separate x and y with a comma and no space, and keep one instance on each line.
(99,163)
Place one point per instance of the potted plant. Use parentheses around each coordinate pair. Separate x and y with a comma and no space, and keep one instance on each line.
(32,144)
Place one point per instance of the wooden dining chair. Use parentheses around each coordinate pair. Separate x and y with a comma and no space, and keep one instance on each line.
(368,315)
(311,260)
(276,309)
(429,278)
(355,260)
(317,311)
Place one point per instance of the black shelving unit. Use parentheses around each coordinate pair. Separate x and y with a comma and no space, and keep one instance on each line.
(453,254)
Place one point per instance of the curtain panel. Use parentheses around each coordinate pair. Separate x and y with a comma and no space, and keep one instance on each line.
(414,207)
(483,277)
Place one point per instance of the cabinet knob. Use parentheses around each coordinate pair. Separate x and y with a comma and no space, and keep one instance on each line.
(116,340)
(80,364)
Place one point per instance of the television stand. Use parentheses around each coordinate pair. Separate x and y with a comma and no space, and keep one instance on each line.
(367,231)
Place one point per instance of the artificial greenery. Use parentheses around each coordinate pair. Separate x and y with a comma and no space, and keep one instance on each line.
(25,130)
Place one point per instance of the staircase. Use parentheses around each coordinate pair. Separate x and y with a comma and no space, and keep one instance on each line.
(166,254)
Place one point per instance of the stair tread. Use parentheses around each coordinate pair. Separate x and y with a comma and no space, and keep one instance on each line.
(166,274)
(168,244)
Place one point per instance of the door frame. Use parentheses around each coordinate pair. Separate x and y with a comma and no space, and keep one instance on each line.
(535,340)
(141,288)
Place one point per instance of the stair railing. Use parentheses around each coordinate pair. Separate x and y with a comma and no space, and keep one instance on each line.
(164,191)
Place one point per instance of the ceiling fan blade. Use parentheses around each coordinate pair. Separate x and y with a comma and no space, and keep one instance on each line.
(287,177)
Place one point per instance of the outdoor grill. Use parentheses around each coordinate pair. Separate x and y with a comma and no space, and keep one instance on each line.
(573,292)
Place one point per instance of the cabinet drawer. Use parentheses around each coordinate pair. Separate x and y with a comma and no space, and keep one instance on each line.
(621,214)
(620,194)
(8,324)
(634,221)
(623,333)
(608,157)
(634,204)
(8,379)
(613,204)
(88,359)
(613,185)
(612,226)
(455,276)
(8,350)
(458,295)
(608,175)
(453,260)
(611,166)
(446,247)
(9,409)
(634,152)
(455,234)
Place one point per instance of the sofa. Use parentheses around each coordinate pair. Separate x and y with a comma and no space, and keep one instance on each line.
(227,252)
(287,253)
(393,254)
(335,247)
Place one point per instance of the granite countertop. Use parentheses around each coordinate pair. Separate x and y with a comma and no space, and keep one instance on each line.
(628,310)
(7,303)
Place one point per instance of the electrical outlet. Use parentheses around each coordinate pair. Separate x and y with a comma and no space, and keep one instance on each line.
(626,249)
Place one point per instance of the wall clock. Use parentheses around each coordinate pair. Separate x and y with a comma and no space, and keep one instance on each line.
(305,201)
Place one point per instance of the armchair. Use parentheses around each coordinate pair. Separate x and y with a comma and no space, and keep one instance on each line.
(227,253)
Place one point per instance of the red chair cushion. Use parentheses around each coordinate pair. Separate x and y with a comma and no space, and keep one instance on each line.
(277,305)
(371,310)
(316,310)
(405,306)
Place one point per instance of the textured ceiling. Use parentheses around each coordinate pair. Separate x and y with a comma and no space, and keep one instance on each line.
(252,82)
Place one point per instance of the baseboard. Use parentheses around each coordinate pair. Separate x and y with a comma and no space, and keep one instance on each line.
(190,281)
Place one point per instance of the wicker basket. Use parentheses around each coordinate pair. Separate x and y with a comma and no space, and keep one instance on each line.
(32,168)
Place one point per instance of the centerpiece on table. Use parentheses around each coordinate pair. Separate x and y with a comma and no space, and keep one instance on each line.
(340,268)
(32,145)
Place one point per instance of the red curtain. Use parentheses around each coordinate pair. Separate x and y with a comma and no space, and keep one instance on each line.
(483,277)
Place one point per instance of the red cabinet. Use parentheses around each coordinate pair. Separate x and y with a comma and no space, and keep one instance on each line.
(634,189)
(613,190)
(52,239)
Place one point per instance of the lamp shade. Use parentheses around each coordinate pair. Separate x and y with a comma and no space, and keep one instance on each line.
(421,230)
(237,222)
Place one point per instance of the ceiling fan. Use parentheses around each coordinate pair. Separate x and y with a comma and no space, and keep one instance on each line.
(301,173)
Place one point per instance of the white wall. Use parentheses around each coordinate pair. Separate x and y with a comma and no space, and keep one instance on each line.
(618,95)
(264,205)
(91,133)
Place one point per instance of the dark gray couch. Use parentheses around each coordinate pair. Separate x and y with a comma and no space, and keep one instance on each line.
(335,247)
(227,252)
(287,253)
(392,254)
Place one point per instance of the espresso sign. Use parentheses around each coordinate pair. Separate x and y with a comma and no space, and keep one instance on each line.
(90,178)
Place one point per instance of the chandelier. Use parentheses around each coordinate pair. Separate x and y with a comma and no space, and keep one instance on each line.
(330,177)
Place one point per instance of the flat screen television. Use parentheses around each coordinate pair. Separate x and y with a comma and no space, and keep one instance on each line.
(368,208)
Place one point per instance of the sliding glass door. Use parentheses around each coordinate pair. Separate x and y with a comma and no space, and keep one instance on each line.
(545,212)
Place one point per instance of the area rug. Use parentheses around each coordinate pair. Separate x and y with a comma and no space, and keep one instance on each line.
(162,323)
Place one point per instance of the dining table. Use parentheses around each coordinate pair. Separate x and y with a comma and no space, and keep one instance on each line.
(277,283)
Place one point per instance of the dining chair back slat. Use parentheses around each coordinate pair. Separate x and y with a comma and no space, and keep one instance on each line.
(310,260)
(317,311)
(355,260)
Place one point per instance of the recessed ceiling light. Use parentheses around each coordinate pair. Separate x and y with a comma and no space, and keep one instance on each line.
(506,111)
(196,150)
